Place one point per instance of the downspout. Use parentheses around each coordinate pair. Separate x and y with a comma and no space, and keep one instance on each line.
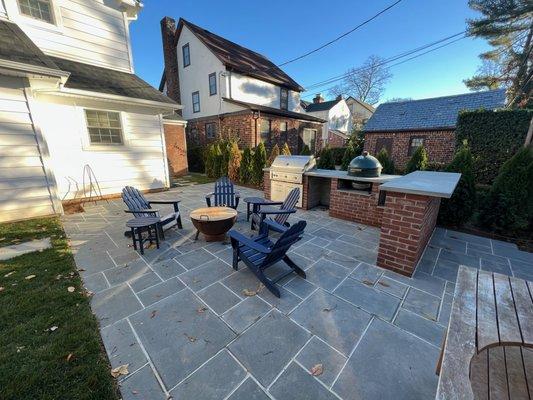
(255,116)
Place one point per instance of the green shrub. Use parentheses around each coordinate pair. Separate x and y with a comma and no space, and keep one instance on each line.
(195,158)
(273,154)
(326,161)
(493,137)
(259,162)
(225,155)
(418,162)
(234,162)
(245,172)
(217,161)
(459,208)
(509,205)
(385,161)
(349,154)
(338,153)
(285,150)
(305,151)
(209,160)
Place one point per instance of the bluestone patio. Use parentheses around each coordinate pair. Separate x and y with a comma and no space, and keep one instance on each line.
(190,327)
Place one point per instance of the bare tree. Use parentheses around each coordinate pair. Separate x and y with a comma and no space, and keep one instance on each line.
(366,83)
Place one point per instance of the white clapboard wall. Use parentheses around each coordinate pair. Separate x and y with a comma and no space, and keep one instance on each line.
(24,191)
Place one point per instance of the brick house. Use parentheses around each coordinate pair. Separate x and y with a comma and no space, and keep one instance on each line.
(230,91)
(401,127)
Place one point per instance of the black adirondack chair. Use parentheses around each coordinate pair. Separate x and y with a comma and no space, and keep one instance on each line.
(139,206)
(259,253)
(224,194)
(281,214)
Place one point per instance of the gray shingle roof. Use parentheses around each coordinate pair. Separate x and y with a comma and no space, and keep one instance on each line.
(324,106)
(435,113)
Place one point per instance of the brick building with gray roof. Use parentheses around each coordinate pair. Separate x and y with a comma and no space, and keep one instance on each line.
(400,127)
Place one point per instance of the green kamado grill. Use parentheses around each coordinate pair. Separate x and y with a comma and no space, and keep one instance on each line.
(365,166)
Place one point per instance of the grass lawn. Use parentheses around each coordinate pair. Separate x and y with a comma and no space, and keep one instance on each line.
(49,342)
(193,178)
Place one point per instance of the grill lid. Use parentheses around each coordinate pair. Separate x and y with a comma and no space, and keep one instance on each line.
(365,165)
(296,164)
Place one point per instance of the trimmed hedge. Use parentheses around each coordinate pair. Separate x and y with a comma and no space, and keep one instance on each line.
(386,162)
(195,158)
(493,137)
(326,161)
(338,153)
(418,162)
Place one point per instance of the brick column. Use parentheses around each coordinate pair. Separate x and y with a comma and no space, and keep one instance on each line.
(266,184)
(407,223)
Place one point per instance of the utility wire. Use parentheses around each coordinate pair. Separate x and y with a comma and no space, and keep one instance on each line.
(341,36)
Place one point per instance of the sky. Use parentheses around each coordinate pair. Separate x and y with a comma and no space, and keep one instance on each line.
(282,30)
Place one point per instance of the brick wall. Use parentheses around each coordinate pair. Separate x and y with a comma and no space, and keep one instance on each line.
(407,223)
(176,149)
(266,184)
(357,207)
(335,140)
(440,145)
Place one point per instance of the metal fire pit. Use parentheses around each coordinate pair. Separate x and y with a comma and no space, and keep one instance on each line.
(213,222)
(365,166)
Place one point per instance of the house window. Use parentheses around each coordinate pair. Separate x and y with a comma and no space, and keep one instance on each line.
(196,102)
(212,84)
(284,99)
(415,143)
(283,132)
(309,138)
(186,55)
(193,135)
(38,9)
(104,127)
(210,130)
(265,130)
(384,143)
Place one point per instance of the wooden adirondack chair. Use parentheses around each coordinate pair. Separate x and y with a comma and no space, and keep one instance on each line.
(259,253)
(139,206)
(224,194)
(281,214)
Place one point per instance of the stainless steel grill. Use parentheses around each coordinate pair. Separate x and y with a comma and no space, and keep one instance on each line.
(286,173)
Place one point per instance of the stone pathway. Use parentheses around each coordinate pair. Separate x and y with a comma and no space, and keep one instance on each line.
(15,250)
(180,318)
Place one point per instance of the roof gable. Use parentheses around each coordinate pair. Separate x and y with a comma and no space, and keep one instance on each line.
(324,106)
(434,113)
(240,59)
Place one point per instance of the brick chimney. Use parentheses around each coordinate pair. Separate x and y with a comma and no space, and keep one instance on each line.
(170,55)
(318,98)
(339,97)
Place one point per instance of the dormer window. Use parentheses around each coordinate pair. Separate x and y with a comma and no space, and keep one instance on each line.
(186,55)
(284,99)
(38,9)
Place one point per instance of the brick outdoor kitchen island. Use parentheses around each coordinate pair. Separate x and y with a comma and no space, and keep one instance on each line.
(405,208)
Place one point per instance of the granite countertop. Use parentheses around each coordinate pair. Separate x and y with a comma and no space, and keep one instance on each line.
(425,183)
(334,174)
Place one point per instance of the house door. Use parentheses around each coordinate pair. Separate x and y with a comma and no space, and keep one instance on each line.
(385,143)
(309,139)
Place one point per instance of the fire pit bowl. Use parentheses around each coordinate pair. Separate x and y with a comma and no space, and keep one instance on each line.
(213,222)
(365,166)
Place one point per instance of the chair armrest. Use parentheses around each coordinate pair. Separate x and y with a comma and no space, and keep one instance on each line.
(270,224)
(146,211)
(240,238)
(164,201)
(269,203)
(267,211)
(210,194)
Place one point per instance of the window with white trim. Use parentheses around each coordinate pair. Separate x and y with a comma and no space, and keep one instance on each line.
(104,127)
(38,9)
(212,84)
(264,130)
(283,134)
(186,52)
(196,102)
(284,99)
(210,130)
(416,142)
(309,138)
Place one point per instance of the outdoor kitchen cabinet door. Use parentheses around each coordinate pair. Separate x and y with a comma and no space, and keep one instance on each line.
(280,190)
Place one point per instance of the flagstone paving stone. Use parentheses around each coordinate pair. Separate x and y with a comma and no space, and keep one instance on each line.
(219,298)
(249,390)
(142,385)
(246,313)
(160,291)
(122,347)
(115,303)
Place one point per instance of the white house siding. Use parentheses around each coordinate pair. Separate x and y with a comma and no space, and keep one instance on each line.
(85,30)
(24,188)
(140,162)
(339,117)
(2,9)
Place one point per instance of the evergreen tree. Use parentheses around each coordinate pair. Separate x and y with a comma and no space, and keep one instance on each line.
(234,162)
(305,151)
(459,208)
(285,150)
(217,161)
(245,171)
(418,162)
(273,154)
(349,154)
(259,162)
(386,162)
(210,161)
(326,160)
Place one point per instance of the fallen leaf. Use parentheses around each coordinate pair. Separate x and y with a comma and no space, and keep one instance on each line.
(69,357)
(317,370)
(134,392)
(201,310)
(154,312)
(330,309)
(383,284)
(9,274)
(367,282)
(71,289)
(88,293)
(19,348)
(120,370)
(29,277)
(1,288)
(192,339)
(250,293)
(53,328)
(58,277)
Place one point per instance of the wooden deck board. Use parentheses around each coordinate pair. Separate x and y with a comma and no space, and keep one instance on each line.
(516,375)
(497,374)
(524,309)
(487,324)
(507,321)
(479,375)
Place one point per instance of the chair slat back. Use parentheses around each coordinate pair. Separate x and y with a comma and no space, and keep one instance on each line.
(224,193)
(135,200)
(289,203)
(285,241)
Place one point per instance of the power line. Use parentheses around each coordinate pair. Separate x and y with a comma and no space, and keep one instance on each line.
(341,36)
(395,64)
(388,60)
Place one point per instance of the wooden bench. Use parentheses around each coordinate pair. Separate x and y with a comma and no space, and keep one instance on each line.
(488,351)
